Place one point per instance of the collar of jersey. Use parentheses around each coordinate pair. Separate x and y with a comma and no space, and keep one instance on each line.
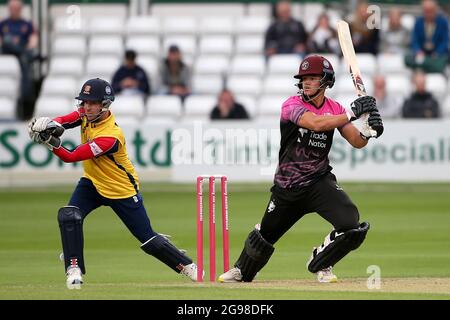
(323,102)
(96,124)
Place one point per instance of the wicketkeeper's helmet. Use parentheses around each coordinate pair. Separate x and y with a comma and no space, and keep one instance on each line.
(316,65)
(97,90)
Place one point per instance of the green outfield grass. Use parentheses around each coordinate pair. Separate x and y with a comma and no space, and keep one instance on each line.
(409,241)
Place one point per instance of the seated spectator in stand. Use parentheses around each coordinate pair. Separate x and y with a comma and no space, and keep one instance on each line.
(19,37)
(388,104)
(396,38)
(175,75)
(421,104)
(131,79)
(323,38)
(285,35)
(228,108)
(430,40)
(364,39)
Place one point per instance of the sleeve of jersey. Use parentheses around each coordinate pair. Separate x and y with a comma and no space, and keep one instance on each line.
(70,120)
(98,147)
(292,111)
(341,110)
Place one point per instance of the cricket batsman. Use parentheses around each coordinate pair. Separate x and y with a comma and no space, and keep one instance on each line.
(109,179)
(303,181)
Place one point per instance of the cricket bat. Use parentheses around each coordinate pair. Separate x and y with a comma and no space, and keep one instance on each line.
(346,43)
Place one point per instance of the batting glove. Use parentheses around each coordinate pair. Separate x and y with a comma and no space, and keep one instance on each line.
(361,106)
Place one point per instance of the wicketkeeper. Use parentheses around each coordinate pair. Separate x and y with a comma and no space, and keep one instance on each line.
(303,182)
(109,179)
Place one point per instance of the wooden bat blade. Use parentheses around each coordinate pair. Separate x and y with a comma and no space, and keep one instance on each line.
(346,43)
(348,51)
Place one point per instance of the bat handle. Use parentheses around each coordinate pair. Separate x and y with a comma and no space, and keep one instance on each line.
(365,119)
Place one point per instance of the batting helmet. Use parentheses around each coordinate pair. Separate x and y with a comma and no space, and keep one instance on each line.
(316,65)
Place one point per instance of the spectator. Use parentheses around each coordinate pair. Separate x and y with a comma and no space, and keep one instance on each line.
(19,37)
(364,39)
(228,108)
(323,38)
(130,78)
(389,105)
(285,35)
(395,39)
(175,75)
(429,40)
(421,104)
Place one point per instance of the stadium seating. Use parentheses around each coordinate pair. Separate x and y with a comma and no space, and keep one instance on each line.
(150,64)
(106,25)
(144,44)
(366,61)
(53,106)
(106,45)
(9,87)
(131,106)
(391,63)
(399,83)
(8,108)
(344,84)
(217,25)
(9,66)
(197,10)
(89,10)
(165,106)
(186,43)
(249,44)
(67,66)
(436,83)
(102,66)
(252,25)
(72,45)
(249,85)
(199,106)
(248,65)
(59,86)
(179,25)
(280,85)
(211,64)
(207,84)
(68,26)
(223,44)
(283,64)
(250,104)
(270,105)
(143,26)
(10,82)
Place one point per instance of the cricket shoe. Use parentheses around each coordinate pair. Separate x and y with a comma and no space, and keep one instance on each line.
(326,275)
(190,271)
(74,278)
(232,275)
